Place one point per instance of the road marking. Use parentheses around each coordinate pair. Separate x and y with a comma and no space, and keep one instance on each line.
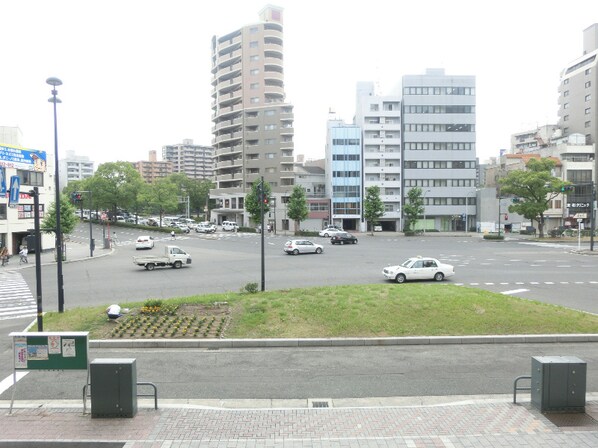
(9,381)
(549,283)
(514,291)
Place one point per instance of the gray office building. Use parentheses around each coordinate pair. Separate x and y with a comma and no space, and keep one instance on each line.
(439,147)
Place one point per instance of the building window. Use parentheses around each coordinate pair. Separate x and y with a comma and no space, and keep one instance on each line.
(270,141)
(253,44)
(588,110)
(588,71)
(254,85)
(566,106)
(588,124)
(254,100)
(588,84)
(253,29)
(254,71)
(254,58)
(32,178)
(566,81)
(374,108)
(566,93)
(269,127)
(2,211)
(588,97)
(270,155)
(566,118)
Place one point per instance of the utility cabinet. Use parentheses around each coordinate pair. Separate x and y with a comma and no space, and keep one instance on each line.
(113,387)
(558,383)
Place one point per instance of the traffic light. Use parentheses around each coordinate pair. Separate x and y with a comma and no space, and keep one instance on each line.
(266,200)
(566,188)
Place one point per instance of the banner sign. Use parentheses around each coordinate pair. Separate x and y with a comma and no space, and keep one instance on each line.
(22,159)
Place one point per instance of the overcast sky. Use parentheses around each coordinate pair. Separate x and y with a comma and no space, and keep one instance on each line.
(136,73)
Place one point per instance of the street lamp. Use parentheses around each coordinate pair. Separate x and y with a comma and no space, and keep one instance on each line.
(55,82)
(424,200)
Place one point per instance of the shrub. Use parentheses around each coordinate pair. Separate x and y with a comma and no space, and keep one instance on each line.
(250,288)
(495,237)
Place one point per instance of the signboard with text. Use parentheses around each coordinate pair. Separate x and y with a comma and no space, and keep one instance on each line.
(22,159)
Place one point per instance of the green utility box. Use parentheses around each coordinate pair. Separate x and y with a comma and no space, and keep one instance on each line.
(558,383)
(113,388)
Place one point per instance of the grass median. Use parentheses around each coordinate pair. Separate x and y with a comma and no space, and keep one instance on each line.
(377,310)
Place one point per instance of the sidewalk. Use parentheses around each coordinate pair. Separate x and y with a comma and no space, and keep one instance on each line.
(471,422)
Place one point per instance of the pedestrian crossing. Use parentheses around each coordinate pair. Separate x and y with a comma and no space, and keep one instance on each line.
(16,299)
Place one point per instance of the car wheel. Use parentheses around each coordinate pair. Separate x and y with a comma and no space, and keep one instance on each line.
(342,242)
(177,264)
(400,278)
(150,266)
(319,250)
(326,235)
(439,276)
(296,252)
(354,241)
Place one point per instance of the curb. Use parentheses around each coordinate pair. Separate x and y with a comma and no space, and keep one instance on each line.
(341,342)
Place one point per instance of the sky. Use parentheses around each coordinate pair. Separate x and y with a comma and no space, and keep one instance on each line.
(136,73)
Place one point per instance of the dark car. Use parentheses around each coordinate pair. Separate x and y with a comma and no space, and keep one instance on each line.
(343,238)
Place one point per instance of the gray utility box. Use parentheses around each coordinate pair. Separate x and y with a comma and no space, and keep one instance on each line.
(113,387)
(559,383)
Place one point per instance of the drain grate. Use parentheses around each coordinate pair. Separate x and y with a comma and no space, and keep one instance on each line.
(572,420)
(319,403)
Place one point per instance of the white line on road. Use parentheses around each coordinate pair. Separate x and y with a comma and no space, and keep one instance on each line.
(514,291)
(8,381)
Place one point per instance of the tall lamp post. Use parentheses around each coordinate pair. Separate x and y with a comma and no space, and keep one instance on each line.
(55,82)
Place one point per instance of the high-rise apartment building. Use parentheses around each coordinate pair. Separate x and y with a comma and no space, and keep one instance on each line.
(253,126)
(153,169)
(439,147)
(194,161)
(380,120)
(73,167)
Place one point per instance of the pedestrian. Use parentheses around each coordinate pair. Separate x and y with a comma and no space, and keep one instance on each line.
(23,254)
(172,235)
(113,312)
(4,255)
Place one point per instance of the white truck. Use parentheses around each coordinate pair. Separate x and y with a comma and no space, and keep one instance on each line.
(173,256)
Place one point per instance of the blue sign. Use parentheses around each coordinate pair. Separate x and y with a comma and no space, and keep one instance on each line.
(15,186)
(2,181)
(22,159)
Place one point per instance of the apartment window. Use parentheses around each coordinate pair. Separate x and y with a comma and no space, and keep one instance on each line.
(588,124)
(557,203)
(566,93)
(588,97)
(254,100)
(588,71)
(269,127)
(269,113)
(32,178)
(566,81)
(254,71)
(254,85)
(269,141)
(566,118)
(253,44)
(588,84)
(2,211)
(588,110)
(254,58)
(270,155)
(253,29)
(374,108)
(566,106)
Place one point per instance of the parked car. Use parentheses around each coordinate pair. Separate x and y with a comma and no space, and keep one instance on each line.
(230,226)
(296,247)
(144,242)
(205,227)
(419,268)
(182,227)
(329,231)
(343,238)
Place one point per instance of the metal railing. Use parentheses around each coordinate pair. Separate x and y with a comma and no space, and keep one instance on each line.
(516,388)
(155,394)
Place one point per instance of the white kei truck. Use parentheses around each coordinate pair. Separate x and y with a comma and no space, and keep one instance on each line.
(173,256)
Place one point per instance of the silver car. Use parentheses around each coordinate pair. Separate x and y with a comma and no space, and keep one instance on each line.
(296,247)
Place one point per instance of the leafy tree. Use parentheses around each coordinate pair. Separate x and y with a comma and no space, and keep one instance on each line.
(252,201)
(198,191)
(161,195)
(373,206)
(297,206)
(68,219)
(114,185)
(413,208)
(535,187)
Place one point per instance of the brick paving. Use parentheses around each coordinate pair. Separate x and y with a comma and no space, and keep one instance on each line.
(489,425)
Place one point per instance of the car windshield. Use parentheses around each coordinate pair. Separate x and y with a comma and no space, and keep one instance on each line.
(408,263)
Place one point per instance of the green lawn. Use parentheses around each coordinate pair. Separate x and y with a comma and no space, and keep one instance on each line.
(377,310)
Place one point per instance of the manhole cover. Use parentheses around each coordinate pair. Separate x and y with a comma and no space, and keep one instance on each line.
(572,420)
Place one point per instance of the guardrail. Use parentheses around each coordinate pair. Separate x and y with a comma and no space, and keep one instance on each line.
(155,394)
(515,388)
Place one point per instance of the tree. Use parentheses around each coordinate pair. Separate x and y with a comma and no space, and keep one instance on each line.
(413,208)
(68,219)
(373,206)
(535,187)
(161,195)
(297,209)
(252,201)
(115,185)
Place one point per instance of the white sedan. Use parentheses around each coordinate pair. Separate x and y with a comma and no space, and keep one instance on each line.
(419,268)
(327,233)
